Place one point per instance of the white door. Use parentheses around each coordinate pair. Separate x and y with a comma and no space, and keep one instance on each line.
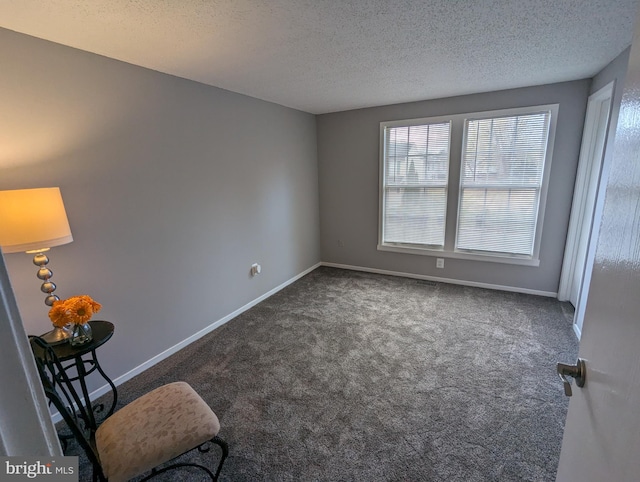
(576,273)
(602,432)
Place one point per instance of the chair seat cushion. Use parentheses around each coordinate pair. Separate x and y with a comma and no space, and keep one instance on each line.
(153,429)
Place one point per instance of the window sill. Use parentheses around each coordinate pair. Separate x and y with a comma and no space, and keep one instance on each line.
(442,253)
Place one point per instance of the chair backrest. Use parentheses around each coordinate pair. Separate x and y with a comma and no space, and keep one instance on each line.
(62,394)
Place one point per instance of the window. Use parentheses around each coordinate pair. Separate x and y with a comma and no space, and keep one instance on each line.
(498,186)
(500,182)
(415,178)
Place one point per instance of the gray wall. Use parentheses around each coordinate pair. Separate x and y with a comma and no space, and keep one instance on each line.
(615,70)
(348,168)
(172,188)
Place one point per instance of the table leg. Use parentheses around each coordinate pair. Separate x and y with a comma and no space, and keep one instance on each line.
(82,373)
(108,380)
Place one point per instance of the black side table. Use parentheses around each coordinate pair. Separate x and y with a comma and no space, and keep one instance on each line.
(102,331)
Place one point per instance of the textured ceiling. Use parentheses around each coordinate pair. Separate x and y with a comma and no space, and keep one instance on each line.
(330,55)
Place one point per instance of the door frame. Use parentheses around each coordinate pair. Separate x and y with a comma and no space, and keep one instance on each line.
(26,428)
(588,179)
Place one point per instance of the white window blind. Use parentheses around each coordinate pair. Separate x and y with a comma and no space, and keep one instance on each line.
(501,177)
(416,169)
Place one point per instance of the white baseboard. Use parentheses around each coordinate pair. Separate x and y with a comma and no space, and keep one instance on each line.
(475,284)
(187,341)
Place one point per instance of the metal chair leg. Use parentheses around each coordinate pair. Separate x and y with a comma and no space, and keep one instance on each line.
(225,452)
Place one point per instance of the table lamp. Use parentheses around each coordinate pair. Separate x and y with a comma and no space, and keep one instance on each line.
(33,221)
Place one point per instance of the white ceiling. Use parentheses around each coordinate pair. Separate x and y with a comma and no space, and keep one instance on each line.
(329,55)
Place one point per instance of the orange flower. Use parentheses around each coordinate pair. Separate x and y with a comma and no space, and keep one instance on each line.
(95,306)
(80,310)
(58,314)
(77,309)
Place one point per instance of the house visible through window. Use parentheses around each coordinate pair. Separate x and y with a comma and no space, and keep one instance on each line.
(499,189)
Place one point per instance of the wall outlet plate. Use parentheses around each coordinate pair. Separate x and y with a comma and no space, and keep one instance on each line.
(439,262)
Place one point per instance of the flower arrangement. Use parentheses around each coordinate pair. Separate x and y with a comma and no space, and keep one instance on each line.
(76,310)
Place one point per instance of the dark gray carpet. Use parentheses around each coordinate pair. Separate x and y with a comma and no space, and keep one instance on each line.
(348,376)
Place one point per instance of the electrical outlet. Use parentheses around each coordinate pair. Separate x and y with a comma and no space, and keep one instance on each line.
(256,269)
(439,262)
(340,244)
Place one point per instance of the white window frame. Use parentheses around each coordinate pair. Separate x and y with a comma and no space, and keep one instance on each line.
(458,122)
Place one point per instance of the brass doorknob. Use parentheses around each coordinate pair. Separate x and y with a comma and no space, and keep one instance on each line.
(578,372)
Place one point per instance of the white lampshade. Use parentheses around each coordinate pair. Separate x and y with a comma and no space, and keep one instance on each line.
(32,219)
